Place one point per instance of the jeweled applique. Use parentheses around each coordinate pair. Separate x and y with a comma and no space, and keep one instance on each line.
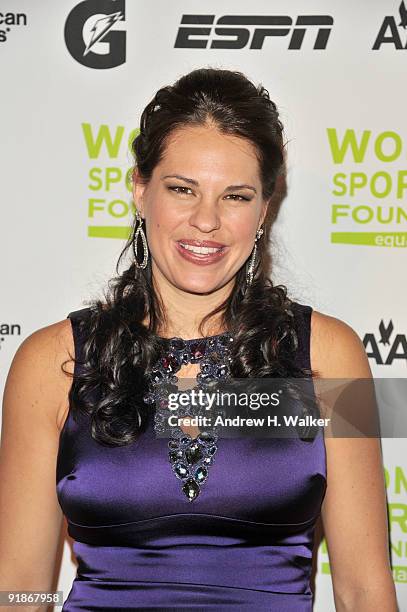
(189,457)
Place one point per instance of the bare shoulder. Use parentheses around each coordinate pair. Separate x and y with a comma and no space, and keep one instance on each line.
(48,347)
(39,374)
(336,348)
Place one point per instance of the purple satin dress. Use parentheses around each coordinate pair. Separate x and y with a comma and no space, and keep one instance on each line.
(246,541)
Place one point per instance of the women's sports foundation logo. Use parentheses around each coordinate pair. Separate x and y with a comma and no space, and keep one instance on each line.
(91,36)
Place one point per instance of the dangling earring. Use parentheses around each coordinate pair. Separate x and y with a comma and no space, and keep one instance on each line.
(250,270)
(139,230)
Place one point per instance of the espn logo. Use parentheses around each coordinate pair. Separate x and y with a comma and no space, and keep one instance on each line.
(251,31)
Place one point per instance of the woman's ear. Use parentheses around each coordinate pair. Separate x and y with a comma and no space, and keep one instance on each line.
(138,192)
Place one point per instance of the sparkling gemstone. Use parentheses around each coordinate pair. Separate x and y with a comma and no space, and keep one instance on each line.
(206,367)
(175,455)
(173,444)
(206,437)
(212,450)
(197,350)
(221,370)
(181,470)
(185,440)
(201,474)
(191,489)
(177,344)
(170,362)
(207,460)
(193,453)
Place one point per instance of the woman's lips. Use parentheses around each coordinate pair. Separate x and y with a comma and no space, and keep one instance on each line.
(200,258)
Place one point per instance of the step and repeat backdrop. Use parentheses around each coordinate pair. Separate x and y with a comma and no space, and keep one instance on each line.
(75,77)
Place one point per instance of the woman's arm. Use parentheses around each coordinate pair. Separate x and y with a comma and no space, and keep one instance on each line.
(354,513)
(36,394)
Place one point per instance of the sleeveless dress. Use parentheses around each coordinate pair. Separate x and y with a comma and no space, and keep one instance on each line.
(246,542)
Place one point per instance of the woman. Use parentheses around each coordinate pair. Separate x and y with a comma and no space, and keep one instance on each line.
(207,523)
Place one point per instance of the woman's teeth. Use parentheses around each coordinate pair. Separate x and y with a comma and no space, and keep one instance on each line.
(200,250)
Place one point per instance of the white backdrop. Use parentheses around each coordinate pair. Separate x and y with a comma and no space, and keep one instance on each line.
(339,241)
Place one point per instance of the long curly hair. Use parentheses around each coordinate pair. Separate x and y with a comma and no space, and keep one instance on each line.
(110,377)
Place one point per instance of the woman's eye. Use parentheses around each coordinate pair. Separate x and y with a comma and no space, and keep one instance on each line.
(235,196)
(179,189)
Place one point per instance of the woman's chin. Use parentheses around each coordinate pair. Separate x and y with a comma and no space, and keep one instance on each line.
(194,286)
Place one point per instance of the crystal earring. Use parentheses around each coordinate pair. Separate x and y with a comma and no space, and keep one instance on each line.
(139,231)
(250,270)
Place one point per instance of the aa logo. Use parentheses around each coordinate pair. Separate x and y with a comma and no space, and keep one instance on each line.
(91,35)
(393,30)
(394,345)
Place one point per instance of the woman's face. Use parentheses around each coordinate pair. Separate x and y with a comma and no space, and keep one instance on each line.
(205,192)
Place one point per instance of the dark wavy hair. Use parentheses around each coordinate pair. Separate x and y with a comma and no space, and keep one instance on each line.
(118,351)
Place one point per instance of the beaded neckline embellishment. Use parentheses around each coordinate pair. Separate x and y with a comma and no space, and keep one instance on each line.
(189,457)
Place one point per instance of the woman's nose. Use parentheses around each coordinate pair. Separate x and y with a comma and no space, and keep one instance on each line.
(205,216)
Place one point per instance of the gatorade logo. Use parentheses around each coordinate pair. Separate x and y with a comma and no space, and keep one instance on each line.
(92,36)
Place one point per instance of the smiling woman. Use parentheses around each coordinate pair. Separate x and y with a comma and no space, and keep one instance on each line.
(184,211)
(194,522)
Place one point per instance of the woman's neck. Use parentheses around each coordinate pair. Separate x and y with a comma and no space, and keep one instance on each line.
(184,310)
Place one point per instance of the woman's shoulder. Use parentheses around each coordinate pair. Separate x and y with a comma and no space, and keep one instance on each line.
(336,349)
(38,373)
(47,343)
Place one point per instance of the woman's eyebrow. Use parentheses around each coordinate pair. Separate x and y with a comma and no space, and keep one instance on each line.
(194,182)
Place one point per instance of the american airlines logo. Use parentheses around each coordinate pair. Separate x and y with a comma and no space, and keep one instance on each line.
(252,31)
(393,30)
(385,347)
